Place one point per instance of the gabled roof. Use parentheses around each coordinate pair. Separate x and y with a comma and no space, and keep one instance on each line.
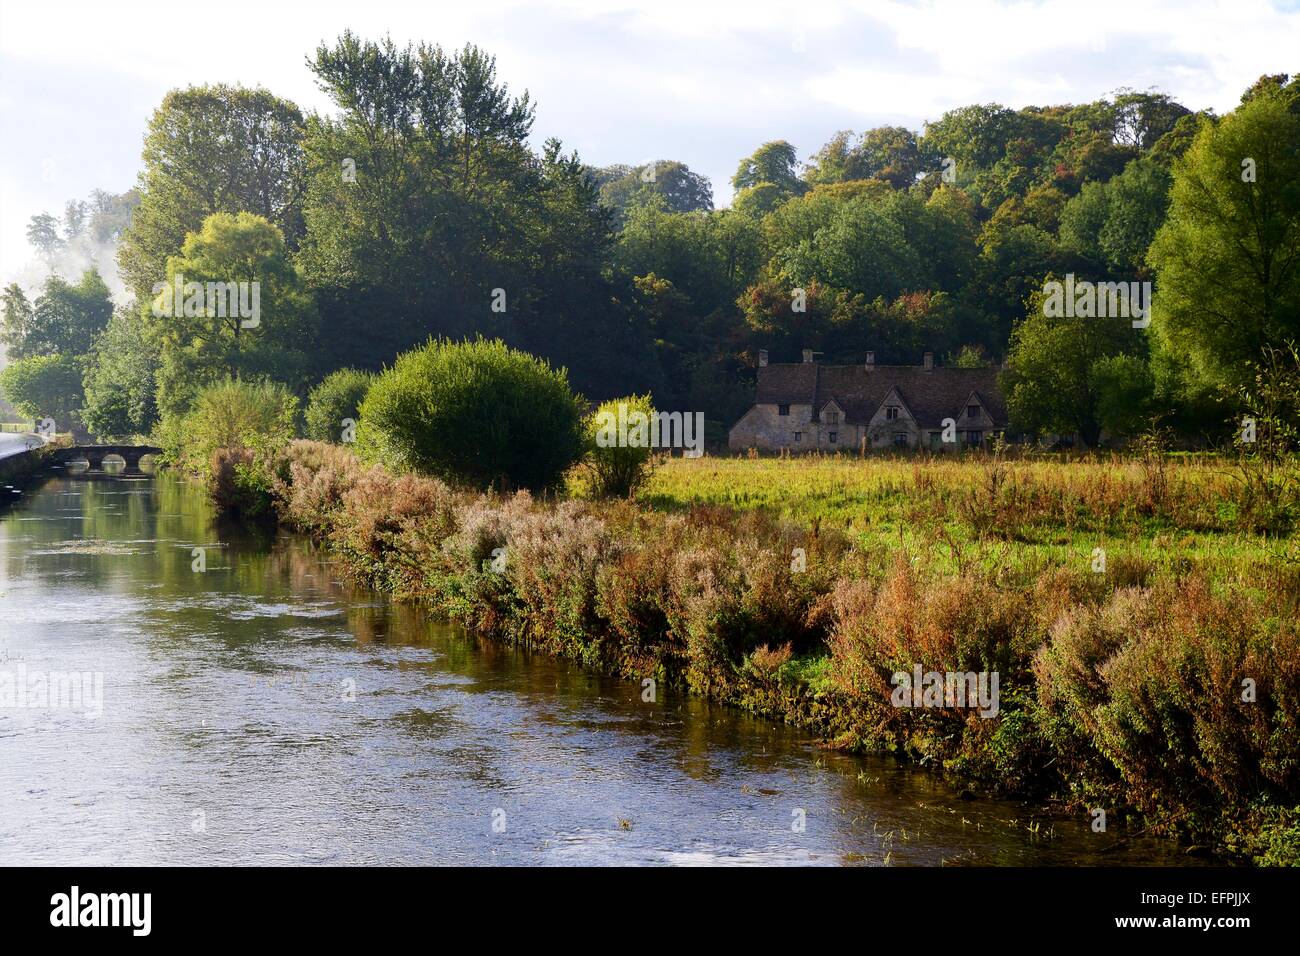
(931,394)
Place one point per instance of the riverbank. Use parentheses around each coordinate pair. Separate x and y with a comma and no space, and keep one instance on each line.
(1165,693)
(22,458)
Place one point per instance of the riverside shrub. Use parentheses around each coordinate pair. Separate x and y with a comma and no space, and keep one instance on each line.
(618,471)
(337,398)
(476,413)
(258,415)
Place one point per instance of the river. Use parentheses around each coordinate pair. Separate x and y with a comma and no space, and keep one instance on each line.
(260,710)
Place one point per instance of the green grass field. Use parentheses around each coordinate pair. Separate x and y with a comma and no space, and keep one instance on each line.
(1168,512)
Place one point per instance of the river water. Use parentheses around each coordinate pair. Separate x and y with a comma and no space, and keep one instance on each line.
(262,711)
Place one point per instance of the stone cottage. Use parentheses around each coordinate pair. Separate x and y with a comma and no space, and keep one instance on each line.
(814,407)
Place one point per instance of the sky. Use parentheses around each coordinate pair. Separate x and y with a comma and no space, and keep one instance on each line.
(692,80)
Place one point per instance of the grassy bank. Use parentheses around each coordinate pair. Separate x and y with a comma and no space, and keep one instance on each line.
(798,588)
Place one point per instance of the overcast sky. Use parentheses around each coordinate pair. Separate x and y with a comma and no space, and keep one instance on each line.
(699,81)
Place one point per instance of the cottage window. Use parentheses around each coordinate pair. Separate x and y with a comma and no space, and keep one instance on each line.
(830,417)
(936,439)
(974,438)
(833,436)
(783,409)
(891,413)
(900,439)
(798,437)
(972,411)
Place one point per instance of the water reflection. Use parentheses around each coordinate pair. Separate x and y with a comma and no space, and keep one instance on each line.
(264,711)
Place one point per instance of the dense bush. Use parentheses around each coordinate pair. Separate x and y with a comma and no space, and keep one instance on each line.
(1193,699)
(259,416)
(477,413)
(336,398)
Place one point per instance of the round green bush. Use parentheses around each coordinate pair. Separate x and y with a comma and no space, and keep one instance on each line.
(617,470)
(478,413)
(337,397)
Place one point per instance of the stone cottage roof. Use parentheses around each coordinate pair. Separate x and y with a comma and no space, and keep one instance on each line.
(931,394)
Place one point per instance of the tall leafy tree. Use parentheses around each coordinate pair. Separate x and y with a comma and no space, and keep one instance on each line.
(18,318)
(1064,377)
(120,380)
(621,187)
(766,178)
(1227,259)
(202,340)
(212,149)
(64,320)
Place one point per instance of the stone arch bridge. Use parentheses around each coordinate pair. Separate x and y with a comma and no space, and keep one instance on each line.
(95,455)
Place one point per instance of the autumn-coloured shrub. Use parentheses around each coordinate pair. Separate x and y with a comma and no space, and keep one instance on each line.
(552,563)
(1193,697)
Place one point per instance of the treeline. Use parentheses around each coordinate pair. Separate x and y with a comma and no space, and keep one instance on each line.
(418,209)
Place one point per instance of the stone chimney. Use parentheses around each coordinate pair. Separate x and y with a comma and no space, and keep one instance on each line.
(807,356)
(871,361)
(929,361)
(762,358)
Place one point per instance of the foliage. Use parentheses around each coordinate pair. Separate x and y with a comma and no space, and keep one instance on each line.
(259,416)
(45,386)
(65,318)
(201,338)
(475,412)
(1059,381)
(212,149)
(618,470)
(337,397)
(1226,258)
(121,380)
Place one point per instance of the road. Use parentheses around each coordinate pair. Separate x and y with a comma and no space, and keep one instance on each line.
(15,443)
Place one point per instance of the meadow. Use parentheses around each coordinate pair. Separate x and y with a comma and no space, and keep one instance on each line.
(1214,514)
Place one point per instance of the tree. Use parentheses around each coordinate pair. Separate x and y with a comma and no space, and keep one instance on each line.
(1227,259)
(429,214)
(65,319)
(1137,202)
(45,386)
(475,412)
(203,336)
(681,189)
(864,249)
(43,233)
(889,153)
(974,135)
(1142,118)
(1125,390)
(766,178)
(617,470)
(211,149)
(74,219)
(18,317)
(1058,379)
(1113,223)
(120,381)
(773,162)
